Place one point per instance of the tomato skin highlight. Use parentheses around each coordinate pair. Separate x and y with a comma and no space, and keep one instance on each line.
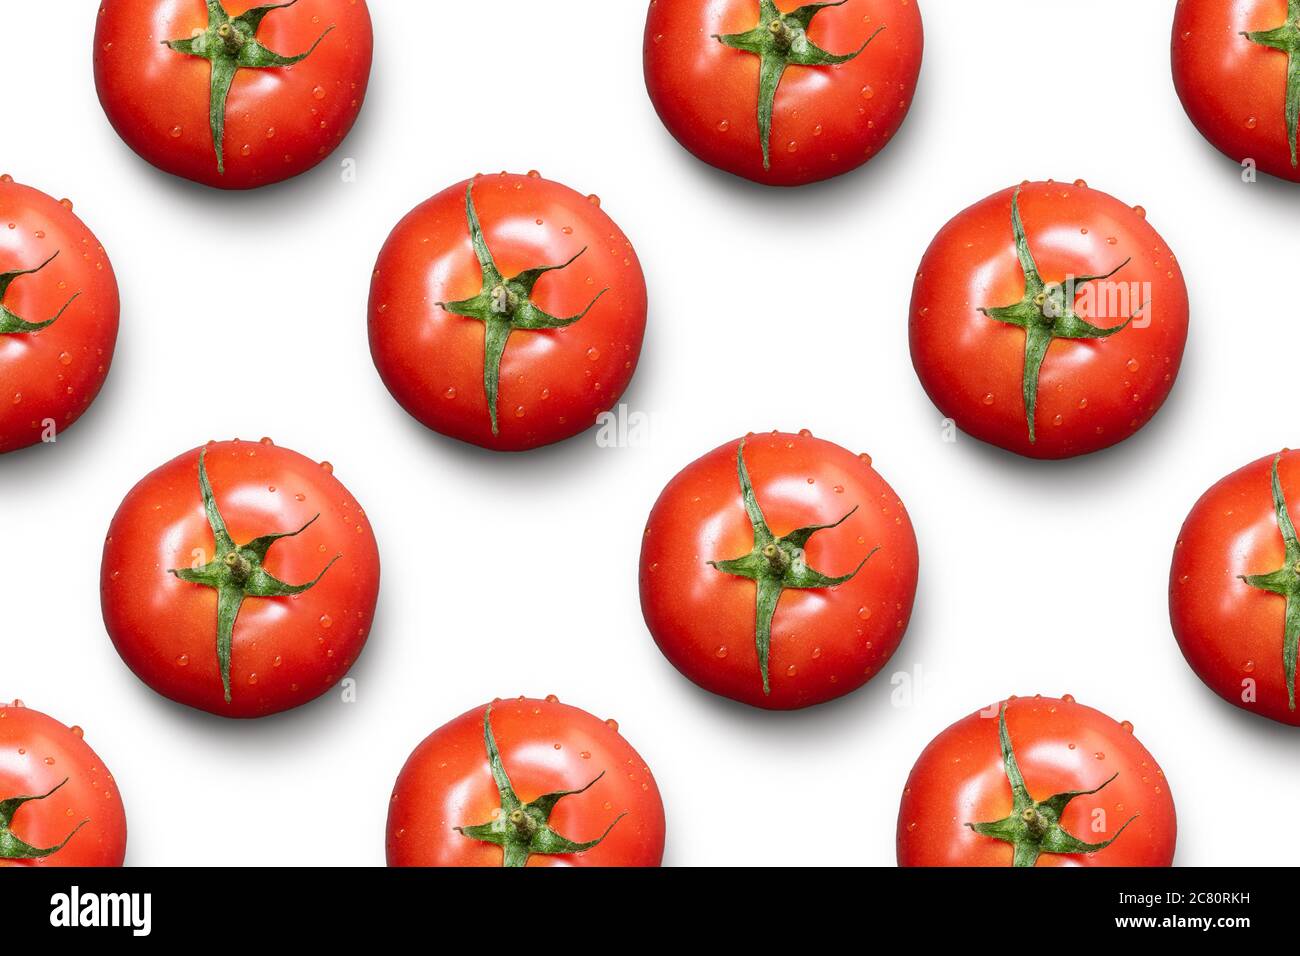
(286,651)
(554,382)
(1231,633)
(837,117)
(39,753)
(280,122)
(1234,90)
(1092,393)
(53,374)
(960,778)
(826,642)
(545,746)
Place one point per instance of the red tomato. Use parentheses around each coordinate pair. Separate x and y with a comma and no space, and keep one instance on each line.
(210,611)
(521,338)
(58,316)
(1231,70)
(1063,349)
(1086,792)
(836,82)
(59,805)
(1234,587)
(783,586)
(525,782)
(230,93)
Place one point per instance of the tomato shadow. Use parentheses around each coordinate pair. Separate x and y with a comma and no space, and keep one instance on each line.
(1158,440)
(274,198)
(1273,191)
(833,724)
(817,201)
(1266,737)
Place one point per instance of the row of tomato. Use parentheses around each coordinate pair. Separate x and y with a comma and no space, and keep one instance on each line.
(509,311)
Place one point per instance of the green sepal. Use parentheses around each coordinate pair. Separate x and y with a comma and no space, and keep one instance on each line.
(523,829)
(780,41)
(1034,827)
(11,324)
(13,848)
(236,573)
(1046,313)
(505,306)
(230,44)
(776,564)
(1284,582)
(1286,39)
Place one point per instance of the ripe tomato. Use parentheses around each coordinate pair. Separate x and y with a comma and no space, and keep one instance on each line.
(58,316)
(780,93)
(779,571)
(1036,781)
(1234,587)
(1049,320)
(507,311)
(240,578)
(1237,80)
(229,93)
(525,783)
(59,805)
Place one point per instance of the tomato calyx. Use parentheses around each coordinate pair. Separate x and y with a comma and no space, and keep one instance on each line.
(1046,313)
(230,44)
(1284,582)
(505,306)
(776,564)
(1034,827)
(236,573)
(779,41)
(11,324)
(11,847)
(1286,38)
(523,829)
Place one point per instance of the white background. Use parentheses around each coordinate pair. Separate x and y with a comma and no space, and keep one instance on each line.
(1035,577)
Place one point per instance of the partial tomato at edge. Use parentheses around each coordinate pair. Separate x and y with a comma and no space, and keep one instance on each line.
(548,311)
(155,63)
(75,797)
(572,792)
(850,76)
(835,549)
(1231,76)
(1233,577)
(1059,746)
(304,602)
(58,316)
(1108,350)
